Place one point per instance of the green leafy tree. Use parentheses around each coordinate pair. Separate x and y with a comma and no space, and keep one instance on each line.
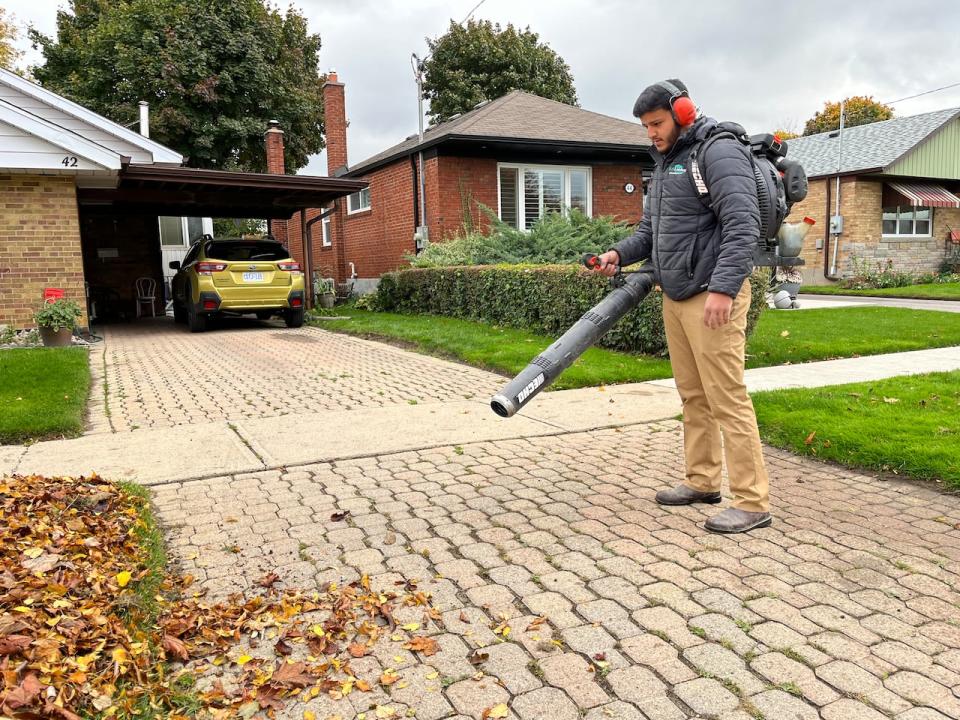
(214,73)
(480,61)
(857,110)
(8,36)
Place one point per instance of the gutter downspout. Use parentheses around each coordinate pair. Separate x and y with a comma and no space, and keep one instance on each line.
(307,261)
(836,237)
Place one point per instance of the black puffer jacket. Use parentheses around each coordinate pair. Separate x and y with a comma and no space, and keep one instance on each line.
(692,247)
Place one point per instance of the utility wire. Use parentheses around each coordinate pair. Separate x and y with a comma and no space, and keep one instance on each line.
(927,92)
(472,11)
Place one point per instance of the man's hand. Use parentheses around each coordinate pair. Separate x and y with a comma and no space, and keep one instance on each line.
(716,311)
(608,263)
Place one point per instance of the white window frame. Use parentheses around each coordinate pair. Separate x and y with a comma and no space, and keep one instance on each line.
(326,240)
(521,199)
(906,236)
(360,197)
(206,228)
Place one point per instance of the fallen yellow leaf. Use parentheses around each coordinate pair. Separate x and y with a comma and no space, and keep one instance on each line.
(123,578)
(498,711)
(243,659)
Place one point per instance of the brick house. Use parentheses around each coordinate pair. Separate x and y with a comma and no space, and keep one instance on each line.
(88,206)
(899,182)
(520,156)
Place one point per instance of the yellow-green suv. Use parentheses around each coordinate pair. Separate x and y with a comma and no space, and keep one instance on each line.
(237,277)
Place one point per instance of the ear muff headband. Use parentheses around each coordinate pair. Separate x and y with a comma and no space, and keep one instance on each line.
(681,106)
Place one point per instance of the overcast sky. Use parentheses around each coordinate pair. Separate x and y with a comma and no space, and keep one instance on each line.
(811,51)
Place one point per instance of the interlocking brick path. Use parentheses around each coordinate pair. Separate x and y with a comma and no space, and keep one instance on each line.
(848,607)
(159,375)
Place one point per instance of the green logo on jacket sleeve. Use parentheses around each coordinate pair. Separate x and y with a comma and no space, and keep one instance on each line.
(677,169)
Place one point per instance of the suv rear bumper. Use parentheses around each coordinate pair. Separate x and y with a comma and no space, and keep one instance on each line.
(211,302)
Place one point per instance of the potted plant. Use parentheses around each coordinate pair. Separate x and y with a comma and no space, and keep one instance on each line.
(324,290)
(56,321)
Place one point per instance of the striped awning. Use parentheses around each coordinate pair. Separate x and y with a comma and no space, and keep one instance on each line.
(926,195)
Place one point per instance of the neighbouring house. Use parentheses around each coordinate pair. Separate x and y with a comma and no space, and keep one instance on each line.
(899,182)
(520,156)
(88,206)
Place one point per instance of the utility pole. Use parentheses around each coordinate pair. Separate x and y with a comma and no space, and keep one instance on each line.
(421,236)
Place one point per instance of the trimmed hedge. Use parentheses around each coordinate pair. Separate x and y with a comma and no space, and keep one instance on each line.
(544,299)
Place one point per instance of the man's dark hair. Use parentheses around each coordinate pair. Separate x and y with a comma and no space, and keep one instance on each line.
(656,97)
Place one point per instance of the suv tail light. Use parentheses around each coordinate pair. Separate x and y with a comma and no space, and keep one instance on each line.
(209,268)
(289,266)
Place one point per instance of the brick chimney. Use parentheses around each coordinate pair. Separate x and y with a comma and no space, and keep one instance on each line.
(273,139)
(335,119)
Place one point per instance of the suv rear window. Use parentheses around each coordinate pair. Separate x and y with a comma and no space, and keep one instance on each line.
(232,250)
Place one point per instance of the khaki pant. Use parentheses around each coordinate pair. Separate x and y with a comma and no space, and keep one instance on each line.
(708,369)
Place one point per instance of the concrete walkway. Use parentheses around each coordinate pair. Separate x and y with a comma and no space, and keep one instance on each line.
(249,444)
(617,608)
(813,302)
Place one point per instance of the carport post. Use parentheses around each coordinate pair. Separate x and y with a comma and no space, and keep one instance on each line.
(307,261)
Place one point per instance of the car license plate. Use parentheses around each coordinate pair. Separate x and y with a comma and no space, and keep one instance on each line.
(253,277)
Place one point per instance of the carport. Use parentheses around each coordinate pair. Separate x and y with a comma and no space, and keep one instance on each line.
(119,232)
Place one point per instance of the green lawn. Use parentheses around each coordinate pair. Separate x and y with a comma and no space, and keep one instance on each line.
(43,393)
(847,332)
(905,425)
(781,337)
(929,291)
(500,349)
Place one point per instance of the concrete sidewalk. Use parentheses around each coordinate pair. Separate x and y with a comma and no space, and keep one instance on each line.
(816,302)
(164,455)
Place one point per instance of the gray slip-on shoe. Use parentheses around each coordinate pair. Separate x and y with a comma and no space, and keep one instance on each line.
(686,495)
(733,520)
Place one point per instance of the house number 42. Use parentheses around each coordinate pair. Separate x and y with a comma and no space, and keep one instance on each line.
(69,161)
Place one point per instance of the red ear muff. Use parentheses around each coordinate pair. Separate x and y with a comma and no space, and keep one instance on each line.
(684,111)
(681,106)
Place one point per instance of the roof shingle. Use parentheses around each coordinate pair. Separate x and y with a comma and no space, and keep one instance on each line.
(866,147)
(522,116)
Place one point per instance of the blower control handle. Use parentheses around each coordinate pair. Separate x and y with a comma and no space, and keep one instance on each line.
(592,262)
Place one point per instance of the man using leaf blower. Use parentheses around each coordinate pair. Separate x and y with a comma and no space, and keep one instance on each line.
(701,223)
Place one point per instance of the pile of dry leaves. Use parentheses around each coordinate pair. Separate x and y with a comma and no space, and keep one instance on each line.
(88,629)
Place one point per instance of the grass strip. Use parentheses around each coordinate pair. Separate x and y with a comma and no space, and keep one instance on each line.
(43,393)
(905,425)
(781,337)
(927,291)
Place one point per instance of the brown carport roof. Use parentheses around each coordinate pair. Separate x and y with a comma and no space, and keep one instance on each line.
(159,190)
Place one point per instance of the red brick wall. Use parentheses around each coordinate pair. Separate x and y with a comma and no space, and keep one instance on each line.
(609,197)
(458,188)
(374,240)
(39,245)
